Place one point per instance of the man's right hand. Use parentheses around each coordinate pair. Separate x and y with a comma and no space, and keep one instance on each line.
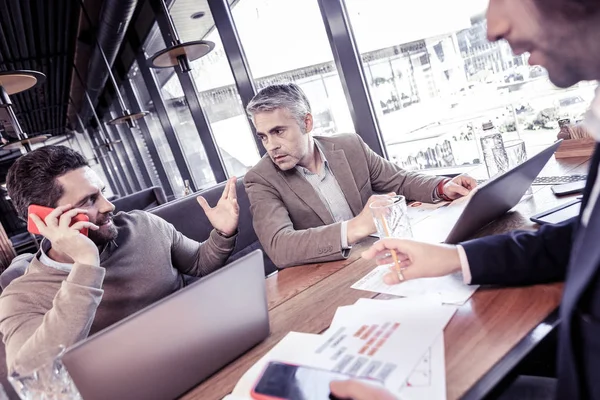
(363,225)
(417,259)
(67,239)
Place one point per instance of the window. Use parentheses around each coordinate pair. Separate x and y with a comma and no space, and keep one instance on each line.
(80,143)
(183,123)
(105,155)
(216,88)
(435,79)
(140,142)
(116,147)
(181,119)
(285,41)
(121,131)
(156,132)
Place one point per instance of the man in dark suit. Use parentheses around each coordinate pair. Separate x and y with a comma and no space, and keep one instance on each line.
(563,36)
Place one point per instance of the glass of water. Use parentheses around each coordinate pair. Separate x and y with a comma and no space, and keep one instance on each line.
(391,217)
(516,155)
(494,154)
(42,376)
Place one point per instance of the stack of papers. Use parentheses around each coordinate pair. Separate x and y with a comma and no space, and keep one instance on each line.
(399,342)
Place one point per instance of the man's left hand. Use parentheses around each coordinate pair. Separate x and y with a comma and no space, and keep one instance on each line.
(225,215)
(459,186)
(359,390)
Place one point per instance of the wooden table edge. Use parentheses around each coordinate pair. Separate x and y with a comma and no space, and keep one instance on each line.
(501,374)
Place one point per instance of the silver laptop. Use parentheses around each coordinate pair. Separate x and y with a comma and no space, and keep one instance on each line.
(459,222)
(168,348)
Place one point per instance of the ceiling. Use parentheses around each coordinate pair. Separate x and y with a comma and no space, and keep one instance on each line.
(188,28)
(50,36)
(39,35)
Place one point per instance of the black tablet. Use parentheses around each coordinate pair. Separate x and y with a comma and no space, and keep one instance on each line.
(558,214)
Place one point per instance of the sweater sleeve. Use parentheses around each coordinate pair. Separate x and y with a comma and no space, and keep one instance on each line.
(193,258)
(30,328)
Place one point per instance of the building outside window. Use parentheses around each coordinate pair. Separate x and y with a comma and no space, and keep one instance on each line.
(285,41)
(434,79)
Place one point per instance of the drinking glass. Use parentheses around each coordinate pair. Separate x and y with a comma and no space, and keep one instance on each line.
(42,376)
(391,217)
(494,154)
(516,154)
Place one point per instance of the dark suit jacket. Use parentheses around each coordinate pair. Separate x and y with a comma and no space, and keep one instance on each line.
(568,251)
(292,223)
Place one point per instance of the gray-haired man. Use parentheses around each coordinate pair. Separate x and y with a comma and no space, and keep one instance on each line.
(309,198)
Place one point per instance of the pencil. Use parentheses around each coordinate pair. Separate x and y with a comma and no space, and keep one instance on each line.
(394,255)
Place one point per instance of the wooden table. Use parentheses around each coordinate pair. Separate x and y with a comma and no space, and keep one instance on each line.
(482,333)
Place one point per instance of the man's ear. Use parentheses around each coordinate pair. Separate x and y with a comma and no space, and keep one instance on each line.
(308,123)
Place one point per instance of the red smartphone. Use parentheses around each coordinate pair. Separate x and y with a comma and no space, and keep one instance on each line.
(43,212)
(282,381)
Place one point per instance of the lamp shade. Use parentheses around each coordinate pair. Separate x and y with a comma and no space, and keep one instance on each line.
(169,57)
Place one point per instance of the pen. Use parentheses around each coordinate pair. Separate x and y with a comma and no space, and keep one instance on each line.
(393,252)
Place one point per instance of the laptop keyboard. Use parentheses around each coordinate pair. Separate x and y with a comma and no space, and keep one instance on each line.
(551,180)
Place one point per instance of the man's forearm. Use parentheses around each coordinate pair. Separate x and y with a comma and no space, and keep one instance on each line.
(356,231)
(66,323)
(289,247)
(522,258)
(213,253)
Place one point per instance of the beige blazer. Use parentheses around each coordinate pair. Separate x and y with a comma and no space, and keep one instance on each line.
(293,224)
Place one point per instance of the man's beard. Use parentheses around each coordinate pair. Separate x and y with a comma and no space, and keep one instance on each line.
(106,233)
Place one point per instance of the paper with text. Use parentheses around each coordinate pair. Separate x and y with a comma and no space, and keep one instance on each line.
(418,211)
(451,288)
(385,340)
(428,379)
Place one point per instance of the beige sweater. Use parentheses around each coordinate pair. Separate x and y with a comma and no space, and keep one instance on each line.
(47,307)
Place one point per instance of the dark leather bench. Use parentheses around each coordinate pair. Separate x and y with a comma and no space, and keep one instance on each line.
(142,200)
(187,217)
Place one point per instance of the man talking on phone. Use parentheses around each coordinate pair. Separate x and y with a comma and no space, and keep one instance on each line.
(77,285)
(563,36)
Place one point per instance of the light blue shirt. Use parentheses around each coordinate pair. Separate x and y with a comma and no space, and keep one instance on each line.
(330,193)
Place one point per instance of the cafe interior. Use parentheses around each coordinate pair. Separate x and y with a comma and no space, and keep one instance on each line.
(153,94)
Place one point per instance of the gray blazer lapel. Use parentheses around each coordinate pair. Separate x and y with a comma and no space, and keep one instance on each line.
(343,174)
(307,194)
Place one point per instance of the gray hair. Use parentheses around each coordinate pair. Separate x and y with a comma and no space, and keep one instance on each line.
(288,96)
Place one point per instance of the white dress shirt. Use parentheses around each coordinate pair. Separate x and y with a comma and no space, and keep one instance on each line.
(47,261)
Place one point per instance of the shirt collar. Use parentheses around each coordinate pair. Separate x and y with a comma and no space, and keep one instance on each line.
(324,162)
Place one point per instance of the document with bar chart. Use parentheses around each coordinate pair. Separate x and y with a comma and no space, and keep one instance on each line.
(385,349)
